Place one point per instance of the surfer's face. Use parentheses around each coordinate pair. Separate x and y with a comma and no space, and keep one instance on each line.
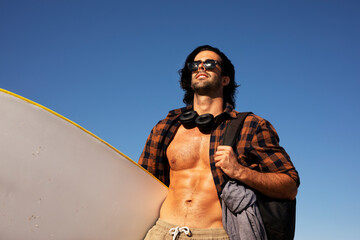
(205,81)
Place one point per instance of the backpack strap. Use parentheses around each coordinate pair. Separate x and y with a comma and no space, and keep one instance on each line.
(234,128)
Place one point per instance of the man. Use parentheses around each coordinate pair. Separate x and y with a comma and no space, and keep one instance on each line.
(192,162)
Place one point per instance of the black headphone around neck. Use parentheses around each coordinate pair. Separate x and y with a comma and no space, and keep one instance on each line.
(191,119)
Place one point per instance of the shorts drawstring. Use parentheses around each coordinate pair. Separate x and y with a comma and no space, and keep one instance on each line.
(177,230)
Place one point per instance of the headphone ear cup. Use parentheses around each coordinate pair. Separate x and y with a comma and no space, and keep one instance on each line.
(205,122)
(187,119)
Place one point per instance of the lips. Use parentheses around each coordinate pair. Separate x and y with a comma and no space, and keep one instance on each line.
(201,75)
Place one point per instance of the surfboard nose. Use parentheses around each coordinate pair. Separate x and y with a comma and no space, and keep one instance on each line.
(59,181)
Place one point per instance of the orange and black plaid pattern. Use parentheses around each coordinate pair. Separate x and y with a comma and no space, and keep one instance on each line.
(257,147)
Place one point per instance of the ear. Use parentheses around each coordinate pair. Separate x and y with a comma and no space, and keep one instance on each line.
(225,80)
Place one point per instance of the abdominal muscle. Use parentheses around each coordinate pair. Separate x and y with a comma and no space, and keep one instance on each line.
(192,199)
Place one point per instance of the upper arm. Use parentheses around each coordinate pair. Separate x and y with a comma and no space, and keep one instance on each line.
(264,148)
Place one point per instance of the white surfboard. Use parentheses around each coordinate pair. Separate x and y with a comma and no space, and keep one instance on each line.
(59,181)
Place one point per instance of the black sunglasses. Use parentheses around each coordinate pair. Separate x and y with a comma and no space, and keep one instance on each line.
(209,64)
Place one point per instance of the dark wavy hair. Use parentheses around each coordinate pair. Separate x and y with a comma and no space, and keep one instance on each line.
(228,70)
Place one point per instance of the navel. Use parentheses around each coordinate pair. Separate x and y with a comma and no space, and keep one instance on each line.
(189,201)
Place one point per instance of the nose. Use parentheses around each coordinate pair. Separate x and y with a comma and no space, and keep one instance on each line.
(201,66)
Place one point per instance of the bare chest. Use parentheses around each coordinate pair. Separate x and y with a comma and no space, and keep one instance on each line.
(188,149)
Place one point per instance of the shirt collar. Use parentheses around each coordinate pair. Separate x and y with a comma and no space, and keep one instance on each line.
(229,109)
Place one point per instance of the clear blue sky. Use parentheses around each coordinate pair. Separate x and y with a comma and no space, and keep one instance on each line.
(111,67)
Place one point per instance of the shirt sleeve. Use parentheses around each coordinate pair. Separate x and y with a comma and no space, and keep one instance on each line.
(153,158)
(145,161)
(265,149)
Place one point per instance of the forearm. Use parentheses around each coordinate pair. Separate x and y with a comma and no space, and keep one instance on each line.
(272,184)
(275,185)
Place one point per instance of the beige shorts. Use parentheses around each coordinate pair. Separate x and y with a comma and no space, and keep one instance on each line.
(161,231)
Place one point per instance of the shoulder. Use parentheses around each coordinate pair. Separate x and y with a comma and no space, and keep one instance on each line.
(169,119)
(255,125)
(254,121)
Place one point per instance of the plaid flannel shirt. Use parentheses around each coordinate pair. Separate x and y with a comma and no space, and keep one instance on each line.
(257,147)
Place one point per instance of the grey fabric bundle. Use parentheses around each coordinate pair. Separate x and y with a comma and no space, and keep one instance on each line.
(240,214)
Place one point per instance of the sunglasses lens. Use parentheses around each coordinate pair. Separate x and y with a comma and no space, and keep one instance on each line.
(209,64)
(193,66)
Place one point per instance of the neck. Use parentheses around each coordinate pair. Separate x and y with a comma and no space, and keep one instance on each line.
(206,104)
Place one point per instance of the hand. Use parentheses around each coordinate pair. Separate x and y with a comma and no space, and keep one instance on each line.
(225,158)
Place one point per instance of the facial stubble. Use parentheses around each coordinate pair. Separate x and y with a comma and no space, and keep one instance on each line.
(205,87)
